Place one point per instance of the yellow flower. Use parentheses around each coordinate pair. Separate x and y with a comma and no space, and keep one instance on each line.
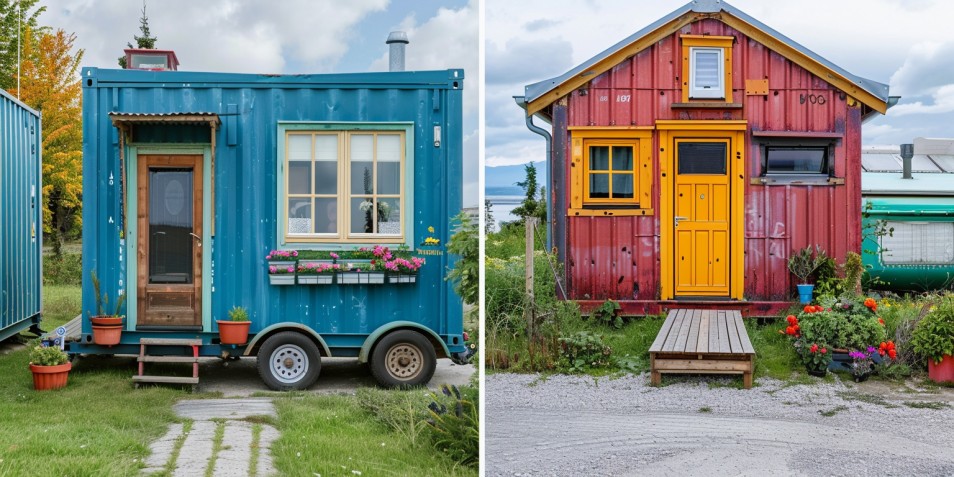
(430,229)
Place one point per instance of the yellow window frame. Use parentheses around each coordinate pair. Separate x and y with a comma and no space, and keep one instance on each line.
(640,138)
(707,41)
(344,193)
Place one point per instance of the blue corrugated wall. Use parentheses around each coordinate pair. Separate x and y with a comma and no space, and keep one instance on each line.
(21,223)
(246,187)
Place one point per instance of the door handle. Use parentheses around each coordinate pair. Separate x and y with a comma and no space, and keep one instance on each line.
(677,219)
(197,238)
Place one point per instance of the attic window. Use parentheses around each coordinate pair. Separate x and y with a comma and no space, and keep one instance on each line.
(706,73)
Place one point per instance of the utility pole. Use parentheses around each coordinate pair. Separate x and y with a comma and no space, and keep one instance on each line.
(19,26)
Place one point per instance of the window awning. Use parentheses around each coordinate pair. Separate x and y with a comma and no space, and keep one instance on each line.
(120,119)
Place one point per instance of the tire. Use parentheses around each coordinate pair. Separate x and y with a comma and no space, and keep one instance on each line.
(403,358)
(288,360)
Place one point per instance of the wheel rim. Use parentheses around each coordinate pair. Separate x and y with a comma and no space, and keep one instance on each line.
(404,361)
(288,363)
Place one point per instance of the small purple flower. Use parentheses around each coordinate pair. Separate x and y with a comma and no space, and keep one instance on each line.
(871,349)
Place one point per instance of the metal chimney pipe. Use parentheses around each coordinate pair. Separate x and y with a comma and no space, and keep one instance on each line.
(397,40)
(907,152)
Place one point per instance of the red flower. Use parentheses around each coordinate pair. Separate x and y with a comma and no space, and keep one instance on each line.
(819,308)
(809,309)
(892,353)
(789,330)
(890,344)
(884,345)
(828,309)
(881,352)
(823,350)
(814,348)
(372,262)
(792,320)
(881,321)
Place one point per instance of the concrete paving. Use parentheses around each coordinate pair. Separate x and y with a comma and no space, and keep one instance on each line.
(206,409)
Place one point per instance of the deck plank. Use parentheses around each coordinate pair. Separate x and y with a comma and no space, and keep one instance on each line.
(702,346)
(674,331)
(723,334)
(683,332)
(663,332)
(693,340)
(713,331)
(743,334)
(734,340)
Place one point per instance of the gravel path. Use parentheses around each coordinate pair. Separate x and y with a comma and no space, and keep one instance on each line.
(576,425)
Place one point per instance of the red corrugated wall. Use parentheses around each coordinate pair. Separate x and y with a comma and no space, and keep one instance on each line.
(617,257)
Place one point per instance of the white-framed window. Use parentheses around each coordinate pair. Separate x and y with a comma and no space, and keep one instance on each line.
(344,186)
(706,72)
(918,243)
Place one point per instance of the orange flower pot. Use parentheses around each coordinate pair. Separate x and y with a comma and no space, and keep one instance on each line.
(106,321)
(107,335)
(233,332)
(943,371)
(50,377)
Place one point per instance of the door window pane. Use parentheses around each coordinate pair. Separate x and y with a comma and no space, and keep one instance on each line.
(170,226)
(326,164)
(299,215)
(599,158)
(599,186)
(622,186)
(702,157)
(622,158)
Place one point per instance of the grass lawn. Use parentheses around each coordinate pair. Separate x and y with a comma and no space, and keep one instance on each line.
(333,435)
(61,303)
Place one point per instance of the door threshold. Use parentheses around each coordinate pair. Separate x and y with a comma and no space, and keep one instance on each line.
(167,328)
(701,298)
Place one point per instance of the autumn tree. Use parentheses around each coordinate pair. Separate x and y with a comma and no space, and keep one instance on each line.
(50,83)
(14,21)
(144,42)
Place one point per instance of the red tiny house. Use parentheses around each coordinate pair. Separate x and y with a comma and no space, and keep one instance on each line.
(730,181)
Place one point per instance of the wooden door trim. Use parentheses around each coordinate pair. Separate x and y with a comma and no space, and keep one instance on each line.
(144,162)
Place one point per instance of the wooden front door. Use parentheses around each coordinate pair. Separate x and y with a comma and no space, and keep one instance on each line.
(702,214)
(170,241)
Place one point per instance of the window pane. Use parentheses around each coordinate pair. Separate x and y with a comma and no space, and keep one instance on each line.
(326,164)
(804,160)
(701,157)
(299,147)
(599,186)
(389,147)
(389,216)
(170,226)
(362,165)
(326,215)
(362,214)
(299,215)
(389,178)
(919,243)
(599,158)
(707,69)
(622,186)
(299,177)
(622,158)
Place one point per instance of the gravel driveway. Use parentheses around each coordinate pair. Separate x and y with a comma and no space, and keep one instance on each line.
(576,425)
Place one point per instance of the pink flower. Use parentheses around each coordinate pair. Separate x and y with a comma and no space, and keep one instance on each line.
(294,253)
(268,257)
(334,255)
(290,269)
(387,256)
(272,269)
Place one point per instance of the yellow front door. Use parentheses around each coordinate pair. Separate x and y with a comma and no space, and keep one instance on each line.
(702,212)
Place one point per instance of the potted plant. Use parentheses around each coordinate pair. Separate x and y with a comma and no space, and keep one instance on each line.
(282,258)
(802,265)
(816,360)
(235,330)
(107,329)
(50,367)
(371,273)
(934,338)
(316,257)
(401,270)
(282,275)
(861,364)
(317,273)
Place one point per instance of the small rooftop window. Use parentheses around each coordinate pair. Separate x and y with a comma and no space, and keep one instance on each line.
(706,74)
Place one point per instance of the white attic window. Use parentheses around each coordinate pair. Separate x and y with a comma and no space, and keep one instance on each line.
(706,73)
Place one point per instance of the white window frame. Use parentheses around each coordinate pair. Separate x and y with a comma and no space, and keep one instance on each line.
(703,93)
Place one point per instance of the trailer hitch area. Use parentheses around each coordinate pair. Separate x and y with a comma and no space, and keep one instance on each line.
(464,357)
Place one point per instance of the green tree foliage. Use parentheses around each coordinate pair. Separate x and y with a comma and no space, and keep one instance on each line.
(534,205)
(489,223)
(466,272)
(144,42)
(9,27)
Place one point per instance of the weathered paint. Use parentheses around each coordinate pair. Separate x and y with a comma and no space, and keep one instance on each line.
(246,189)
(21,232)
(619,257)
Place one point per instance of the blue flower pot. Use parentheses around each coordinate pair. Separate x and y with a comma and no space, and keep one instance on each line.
(805,293)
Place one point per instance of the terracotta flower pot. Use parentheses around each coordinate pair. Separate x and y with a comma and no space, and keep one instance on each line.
(106,321)
(50,377)
(233,332)
(107,335)
(943,371)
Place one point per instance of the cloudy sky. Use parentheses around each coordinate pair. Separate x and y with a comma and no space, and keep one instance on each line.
(906,43)
(291,36)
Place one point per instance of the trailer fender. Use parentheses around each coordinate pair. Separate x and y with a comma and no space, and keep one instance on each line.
(384,329)
(287,326)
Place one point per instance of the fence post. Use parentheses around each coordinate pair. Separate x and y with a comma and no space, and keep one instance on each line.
(531,312)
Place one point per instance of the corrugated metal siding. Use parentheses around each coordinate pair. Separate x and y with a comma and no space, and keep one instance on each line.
(21,215)
(778,218)
(246,189)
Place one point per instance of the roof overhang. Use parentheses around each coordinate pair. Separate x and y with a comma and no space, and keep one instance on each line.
(870,93)
(122,120)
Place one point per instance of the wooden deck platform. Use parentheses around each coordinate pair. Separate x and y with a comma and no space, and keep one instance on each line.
(702,342)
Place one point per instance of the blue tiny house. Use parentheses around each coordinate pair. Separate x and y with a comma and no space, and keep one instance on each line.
(192,179)
(21,232)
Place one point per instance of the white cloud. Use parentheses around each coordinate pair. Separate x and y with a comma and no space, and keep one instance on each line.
(928,67)
(943,103)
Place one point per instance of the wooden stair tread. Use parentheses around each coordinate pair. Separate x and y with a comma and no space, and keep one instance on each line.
(170,341)
(168,359)
(166,379)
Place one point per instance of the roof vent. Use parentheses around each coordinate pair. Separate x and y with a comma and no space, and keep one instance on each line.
(907,152)
(397,40)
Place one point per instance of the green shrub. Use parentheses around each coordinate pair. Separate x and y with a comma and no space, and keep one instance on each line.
(65,270)
(846,324)
(238,313)
(607,314)
(934,335)
(455,423)
(583,350)
(47,356)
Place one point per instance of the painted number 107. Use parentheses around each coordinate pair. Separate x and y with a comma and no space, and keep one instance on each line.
(620,98)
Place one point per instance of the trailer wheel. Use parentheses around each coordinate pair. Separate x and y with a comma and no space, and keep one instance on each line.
(288,360)
(403,358)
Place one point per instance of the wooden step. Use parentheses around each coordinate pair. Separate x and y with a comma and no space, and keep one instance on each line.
(166,379)
(170,342)
(168,359)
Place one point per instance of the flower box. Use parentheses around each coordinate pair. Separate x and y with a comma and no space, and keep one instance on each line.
(360,278)
(282,279)
(319,279)
(282,263)
(402,278)
(316,262)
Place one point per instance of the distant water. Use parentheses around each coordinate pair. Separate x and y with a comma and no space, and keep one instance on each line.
(502,208)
